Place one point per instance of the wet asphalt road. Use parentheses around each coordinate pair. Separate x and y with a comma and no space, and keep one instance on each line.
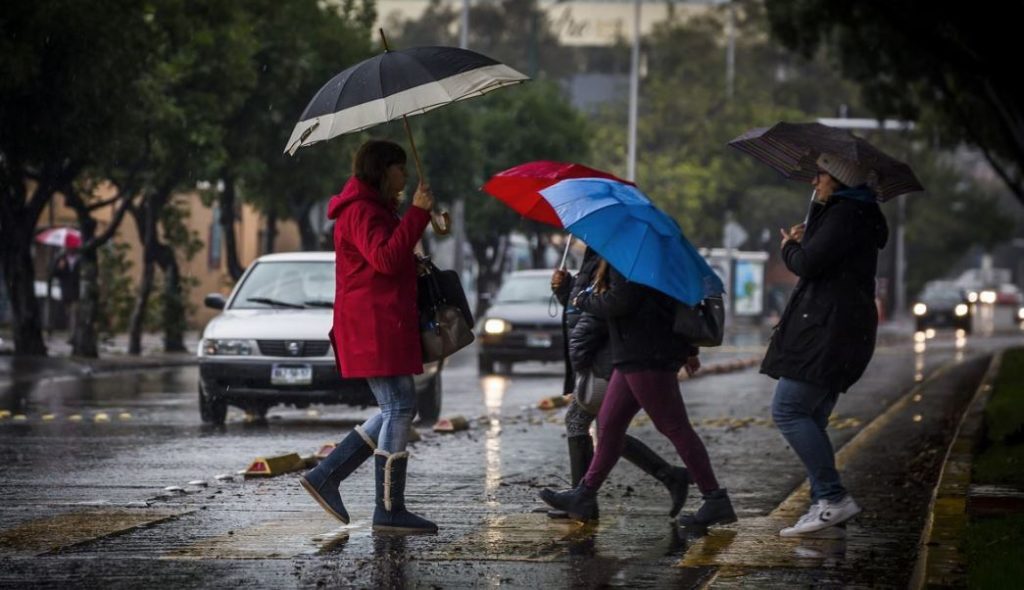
(83,500)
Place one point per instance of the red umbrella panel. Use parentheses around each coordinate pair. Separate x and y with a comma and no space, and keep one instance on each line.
(519,187)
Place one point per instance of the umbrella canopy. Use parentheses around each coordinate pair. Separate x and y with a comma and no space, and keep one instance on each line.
(519,187)
(643,243)
(63,237)
(395,84)
(793,148)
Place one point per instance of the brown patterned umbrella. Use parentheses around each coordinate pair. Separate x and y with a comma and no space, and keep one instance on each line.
(793,148)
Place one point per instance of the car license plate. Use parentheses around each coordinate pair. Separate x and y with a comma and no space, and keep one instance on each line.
(291,374)
(540,340)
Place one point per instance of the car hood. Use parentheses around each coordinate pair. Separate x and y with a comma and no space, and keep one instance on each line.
(271,324)
(526,313)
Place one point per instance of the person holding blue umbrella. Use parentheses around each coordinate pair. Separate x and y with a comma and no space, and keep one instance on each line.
(650,268)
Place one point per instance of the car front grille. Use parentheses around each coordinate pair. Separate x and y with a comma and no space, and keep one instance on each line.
(294,348)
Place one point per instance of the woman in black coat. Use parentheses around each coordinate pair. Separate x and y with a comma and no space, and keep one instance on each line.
(826,336)
(588,357)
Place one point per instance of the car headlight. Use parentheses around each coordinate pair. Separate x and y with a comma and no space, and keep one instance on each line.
(987,297)
(960,310)
(920,309)
(972,296)
(227,347)
(1020,314)
(496,326)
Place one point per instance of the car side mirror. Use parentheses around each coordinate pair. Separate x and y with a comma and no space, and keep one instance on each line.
(215,301)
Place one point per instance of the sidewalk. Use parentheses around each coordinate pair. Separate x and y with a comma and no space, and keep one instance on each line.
(113,357)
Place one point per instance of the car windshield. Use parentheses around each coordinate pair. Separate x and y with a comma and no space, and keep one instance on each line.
(525,289)
(287,284)
(942,294)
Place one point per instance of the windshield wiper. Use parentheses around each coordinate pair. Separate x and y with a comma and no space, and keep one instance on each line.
(275,302)
(319,303)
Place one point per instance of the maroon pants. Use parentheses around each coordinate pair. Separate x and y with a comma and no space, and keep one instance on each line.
(657,392)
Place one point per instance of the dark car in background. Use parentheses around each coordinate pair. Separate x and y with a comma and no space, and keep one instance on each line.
(524,323)
(942,304)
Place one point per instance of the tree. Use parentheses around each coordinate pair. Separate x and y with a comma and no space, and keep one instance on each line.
(950,66)
(59,107)
(302,44)
(200,74)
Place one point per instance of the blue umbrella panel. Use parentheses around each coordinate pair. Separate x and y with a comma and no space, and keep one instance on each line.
(643,243)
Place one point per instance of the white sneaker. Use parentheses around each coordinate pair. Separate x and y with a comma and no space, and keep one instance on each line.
(822,515)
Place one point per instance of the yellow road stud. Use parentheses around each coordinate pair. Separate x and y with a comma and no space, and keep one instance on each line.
(48,417)
(75,418)
(20,417)
(453,424)
(101,417)
(270,466)
(5,414)
(555,401)
(124,416)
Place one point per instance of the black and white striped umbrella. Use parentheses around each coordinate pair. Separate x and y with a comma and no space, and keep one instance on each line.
(395,84)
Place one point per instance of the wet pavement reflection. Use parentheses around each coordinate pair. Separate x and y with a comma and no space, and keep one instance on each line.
(150,452)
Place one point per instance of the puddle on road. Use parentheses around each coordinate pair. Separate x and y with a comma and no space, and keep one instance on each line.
(46,535)
(525,537)
(303,533)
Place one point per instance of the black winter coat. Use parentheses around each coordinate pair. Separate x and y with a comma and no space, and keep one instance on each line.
(639,325)
(827,332)
(589,346)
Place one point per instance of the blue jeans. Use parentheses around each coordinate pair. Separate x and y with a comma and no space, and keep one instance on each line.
(801,412)
(396,397)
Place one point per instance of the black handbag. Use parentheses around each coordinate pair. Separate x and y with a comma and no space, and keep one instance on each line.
(702,324)
(446,323)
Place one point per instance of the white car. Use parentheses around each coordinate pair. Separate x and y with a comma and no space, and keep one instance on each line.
(270,344)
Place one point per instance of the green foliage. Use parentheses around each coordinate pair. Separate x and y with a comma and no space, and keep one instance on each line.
(1004,415)
(116,296)
(948,65)
(993,552)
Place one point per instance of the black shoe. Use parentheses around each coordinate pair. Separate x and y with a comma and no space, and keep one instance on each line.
(675,479)
(390,513)
(323,480)
(580,502)
(716,509)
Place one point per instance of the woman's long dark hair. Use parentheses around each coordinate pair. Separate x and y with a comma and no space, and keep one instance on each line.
(373,159)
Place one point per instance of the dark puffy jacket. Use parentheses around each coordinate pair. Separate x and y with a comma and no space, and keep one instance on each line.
(639,325)
(570,314)
(589,347)
(827,332)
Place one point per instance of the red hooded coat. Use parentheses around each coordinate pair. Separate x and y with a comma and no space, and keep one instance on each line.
(376,323)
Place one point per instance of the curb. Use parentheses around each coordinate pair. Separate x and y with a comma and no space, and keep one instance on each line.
(941,560)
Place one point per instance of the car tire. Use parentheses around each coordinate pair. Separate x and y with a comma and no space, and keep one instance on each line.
(485,364)
(428,401)
(212,409)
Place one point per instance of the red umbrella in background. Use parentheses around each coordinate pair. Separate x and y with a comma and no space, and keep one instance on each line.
(519,187)
(62,237)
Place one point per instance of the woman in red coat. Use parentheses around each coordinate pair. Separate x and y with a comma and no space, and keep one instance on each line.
(376,328)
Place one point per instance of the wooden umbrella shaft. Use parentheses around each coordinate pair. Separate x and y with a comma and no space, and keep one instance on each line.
(439,227)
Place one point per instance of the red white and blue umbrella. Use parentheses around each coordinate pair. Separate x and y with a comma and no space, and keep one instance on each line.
(617,221)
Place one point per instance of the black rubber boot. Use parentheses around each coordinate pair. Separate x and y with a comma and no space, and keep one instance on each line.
(676,479)
(579,503)
(581,453)
(390,513)
(323,480)
(716,509)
